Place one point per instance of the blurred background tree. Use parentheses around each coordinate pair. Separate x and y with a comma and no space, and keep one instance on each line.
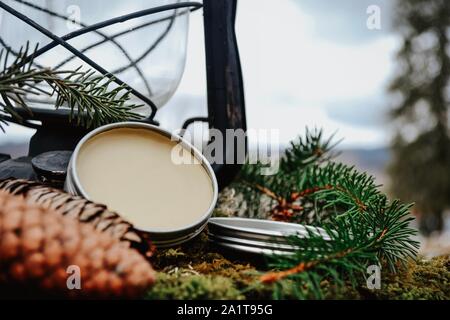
(420,168)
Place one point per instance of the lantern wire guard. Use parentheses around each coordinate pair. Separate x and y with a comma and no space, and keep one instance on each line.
(62,41)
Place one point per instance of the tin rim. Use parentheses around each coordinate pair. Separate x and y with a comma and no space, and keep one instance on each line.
(252,243)
(253,250)
(77,187)
(221,225)
(157,239)
(176,242)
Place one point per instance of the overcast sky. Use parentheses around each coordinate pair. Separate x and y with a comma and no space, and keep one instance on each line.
(305,63)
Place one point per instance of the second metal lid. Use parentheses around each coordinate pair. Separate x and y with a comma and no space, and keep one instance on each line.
(262,229)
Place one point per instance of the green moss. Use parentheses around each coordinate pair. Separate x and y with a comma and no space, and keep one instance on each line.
(418,280)
(202,258)
(424,279)
(198,287)
(198,270)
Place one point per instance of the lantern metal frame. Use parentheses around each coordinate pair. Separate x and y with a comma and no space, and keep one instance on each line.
(226,103)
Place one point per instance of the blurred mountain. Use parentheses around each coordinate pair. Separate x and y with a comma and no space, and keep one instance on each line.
(372,161)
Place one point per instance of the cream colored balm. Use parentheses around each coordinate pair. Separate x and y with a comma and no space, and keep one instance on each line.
(131,171)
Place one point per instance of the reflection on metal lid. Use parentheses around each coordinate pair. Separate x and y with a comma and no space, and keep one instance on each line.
(259,236)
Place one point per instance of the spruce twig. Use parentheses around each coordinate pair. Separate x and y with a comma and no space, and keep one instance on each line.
(91,99)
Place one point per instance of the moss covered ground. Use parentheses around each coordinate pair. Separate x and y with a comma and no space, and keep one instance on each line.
(199,270)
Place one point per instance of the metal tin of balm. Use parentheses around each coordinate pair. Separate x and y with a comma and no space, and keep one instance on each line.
(154,179)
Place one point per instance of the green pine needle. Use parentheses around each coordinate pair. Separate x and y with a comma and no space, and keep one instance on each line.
(93,100)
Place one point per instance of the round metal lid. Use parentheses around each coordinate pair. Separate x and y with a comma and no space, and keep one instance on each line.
(249,249)
(257,236)
(253,243)
(262,229)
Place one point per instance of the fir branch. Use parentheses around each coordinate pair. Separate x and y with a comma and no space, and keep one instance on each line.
(91,99)
(363,227)
(321,259)
(308,150)
(301,154)
(345,255)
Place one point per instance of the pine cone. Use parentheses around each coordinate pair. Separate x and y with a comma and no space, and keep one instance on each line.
(37,245)
(82,210)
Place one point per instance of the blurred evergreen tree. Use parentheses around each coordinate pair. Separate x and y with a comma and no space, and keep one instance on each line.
(420,169)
